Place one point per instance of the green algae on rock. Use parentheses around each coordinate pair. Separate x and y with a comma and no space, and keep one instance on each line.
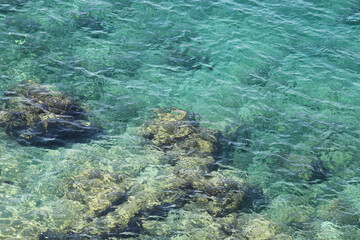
(187,183)
(123,206)
(181,138)
(98,190)
(197,224)
(256,227)
(217,194)
(339,211)
(38,116)
(302,166)
(214,194)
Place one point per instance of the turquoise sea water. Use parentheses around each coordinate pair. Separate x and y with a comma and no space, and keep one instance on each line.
(280,79)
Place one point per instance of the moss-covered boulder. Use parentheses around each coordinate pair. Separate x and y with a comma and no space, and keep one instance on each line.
(36,115)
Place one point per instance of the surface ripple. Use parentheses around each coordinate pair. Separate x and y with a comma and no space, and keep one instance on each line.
(280,79)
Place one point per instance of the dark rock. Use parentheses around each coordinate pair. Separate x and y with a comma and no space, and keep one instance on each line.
(41,117)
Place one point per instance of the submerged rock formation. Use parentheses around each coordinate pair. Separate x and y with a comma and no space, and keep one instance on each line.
(183,141)
(98,190)
(119,206)
(38,116)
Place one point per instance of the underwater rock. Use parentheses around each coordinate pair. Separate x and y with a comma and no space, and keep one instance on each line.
(293,215)
(300,165)
(254,200)
(186,225)
(149,199)
(338,211)
(217,194)
(85,20)
(260,76)
(197,224)
(98,190)
(190,149)
(119,207)
(169,127)
(38,116)
(329,230)
(337,160)
(98,193)
(179,135)
(236,136)
(252,227)
(258,228)
(187,58)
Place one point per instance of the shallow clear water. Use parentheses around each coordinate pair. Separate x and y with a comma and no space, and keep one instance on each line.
(283,76)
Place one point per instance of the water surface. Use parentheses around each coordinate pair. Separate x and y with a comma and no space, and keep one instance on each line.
(281,76)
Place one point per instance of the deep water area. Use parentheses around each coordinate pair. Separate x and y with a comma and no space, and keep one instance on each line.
(149,119)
